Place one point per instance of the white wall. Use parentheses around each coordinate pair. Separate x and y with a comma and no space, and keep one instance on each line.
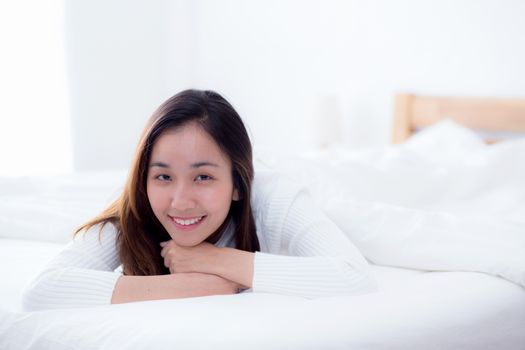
(277,59)
(279,62)
(34,120)
(121,55)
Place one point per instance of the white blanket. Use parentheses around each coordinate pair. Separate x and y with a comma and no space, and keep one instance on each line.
(442,201)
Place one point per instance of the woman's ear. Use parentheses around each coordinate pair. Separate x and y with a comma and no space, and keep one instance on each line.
(235,196)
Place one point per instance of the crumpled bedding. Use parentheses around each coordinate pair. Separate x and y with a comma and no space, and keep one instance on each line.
(442,201)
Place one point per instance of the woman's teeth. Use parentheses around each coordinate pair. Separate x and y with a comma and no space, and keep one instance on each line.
(188,221)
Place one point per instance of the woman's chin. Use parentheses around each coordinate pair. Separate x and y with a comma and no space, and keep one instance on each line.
(186,242)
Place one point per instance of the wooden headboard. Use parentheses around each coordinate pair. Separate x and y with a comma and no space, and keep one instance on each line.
(496,116)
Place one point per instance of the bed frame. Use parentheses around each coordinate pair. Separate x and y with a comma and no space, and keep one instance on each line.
(494,119)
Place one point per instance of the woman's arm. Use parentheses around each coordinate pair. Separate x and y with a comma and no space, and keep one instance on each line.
(83,274)
(180,285)
(307,255)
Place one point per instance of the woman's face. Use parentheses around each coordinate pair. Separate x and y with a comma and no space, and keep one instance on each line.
(189,184)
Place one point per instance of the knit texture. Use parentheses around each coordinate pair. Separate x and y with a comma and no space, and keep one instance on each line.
(303,254)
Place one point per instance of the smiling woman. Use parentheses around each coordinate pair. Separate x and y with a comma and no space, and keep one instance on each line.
(194,220)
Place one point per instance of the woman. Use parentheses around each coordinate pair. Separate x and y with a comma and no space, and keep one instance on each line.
(191,223)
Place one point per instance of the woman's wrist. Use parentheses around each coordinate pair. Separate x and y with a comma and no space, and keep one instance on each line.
(233,264)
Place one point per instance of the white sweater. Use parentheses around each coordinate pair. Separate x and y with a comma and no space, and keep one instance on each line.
(303,253)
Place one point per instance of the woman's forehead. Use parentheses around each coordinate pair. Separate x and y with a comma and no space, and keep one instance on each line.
(189,144)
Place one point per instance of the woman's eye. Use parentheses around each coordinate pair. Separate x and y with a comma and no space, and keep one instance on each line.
(162,177)
(203,178)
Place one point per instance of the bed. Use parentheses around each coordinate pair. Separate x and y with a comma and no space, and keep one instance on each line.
(440,215)
(495,119)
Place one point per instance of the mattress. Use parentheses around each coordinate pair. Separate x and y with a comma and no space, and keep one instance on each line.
(412,310)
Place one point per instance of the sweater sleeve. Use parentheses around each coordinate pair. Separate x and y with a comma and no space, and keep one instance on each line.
(81,275)
(320,260)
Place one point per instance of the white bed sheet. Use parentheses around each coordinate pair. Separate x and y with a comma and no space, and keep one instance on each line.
(20,261)
(412,310)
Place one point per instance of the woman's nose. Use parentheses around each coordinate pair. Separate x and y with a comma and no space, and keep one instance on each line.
(182,198)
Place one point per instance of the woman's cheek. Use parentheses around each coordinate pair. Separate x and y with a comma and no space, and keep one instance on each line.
(157,200)
(216,199)
(223,204)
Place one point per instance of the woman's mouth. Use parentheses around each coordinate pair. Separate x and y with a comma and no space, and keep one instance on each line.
(187,223)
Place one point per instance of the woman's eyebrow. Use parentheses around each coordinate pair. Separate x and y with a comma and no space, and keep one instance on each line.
(204,163)
(194,165)
(159,164)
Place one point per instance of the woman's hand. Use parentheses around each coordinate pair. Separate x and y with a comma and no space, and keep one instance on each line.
(229,263)
(188,259)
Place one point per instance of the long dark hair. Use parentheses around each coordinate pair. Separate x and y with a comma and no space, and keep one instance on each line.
(139,232)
